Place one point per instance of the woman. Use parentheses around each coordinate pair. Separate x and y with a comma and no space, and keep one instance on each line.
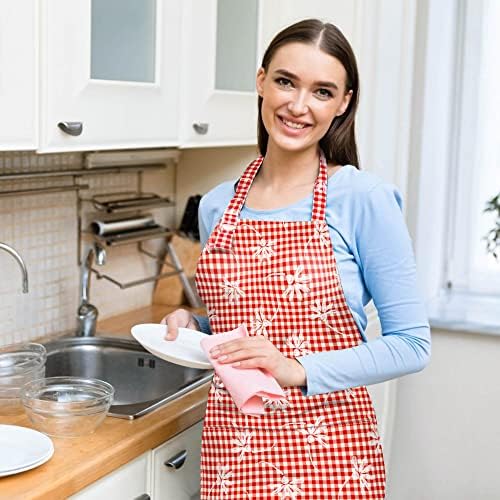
(294,251)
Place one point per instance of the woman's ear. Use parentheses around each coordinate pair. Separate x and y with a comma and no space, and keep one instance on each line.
(345,103)
(259,81)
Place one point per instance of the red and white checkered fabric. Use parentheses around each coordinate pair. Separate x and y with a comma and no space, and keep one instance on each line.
(280,279)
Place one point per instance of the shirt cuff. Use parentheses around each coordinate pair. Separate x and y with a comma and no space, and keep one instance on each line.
(306,389)
(203,323)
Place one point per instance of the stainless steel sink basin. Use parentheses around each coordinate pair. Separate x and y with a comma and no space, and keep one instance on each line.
(142,381)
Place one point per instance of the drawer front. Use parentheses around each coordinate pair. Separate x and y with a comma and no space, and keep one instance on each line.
(126,483)
(176,466)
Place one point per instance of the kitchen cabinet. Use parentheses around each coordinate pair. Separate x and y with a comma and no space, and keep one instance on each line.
(18,84)
(108,74)
(130,481)
(221,43)
(176,466)
(122,74)
(172,470)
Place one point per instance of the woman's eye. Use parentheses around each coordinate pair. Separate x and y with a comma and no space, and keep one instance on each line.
(324,93)
(283,82)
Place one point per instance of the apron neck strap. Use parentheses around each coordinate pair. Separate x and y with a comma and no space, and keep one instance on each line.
(230,217)
(320,191)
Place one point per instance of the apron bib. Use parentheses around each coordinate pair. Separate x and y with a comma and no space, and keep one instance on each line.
(280,279)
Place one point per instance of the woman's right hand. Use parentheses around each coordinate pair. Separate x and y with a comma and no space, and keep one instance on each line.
(180,318)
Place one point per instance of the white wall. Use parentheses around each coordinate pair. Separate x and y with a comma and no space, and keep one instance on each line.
(447,438)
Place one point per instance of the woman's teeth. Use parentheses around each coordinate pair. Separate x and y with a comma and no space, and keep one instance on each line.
(292,124)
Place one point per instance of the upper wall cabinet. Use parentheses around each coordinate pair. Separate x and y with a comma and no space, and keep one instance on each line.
(18,84)
(221,46)
(109,74)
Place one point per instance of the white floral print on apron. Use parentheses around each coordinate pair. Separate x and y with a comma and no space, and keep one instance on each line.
(280,279)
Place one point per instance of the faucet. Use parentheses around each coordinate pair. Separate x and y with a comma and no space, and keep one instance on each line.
(87,312)
(20,261)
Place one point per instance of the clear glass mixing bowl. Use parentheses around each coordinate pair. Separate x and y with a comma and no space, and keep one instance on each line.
(67,406)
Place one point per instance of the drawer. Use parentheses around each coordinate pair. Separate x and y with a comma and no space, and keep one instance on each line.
(176,466)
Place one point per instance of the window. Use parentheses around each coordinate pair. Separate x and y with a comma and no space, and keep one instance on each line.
(475,158)
(455,161)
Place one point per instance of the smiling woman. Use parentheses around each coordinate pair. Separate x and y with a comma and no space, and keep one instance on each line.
(294,251)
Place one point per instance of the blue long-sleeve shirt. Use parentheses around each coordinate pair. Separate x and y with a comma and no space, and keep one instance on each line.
(375,262)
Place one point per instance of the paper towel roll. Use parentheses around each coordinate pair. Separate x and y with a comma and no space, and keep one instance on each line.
(103,227)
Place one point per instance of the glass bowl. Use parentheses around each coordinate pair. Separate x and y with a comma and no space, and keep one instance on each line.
(19,364)
(67,406)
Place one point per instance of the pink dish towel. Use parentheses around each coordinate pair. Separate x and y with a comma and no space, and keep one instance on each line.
(247,386)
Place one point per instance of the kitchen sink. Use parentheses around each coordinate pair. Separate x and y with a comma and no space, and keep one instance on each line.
(142,381)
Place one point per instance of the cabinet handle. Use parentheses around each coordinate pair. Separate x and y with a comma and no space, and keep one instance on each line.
(71,128)
(200,128)
(177,461)
(144,496)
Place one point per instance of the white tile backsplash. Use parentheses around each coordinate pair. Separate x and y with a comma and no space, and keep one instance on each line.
(43,229)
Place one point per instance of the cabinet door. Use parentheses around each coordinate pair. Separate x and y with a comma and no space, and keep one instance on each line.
(221,44)
(180,478)
(18,74)
(111,66)
(129,482)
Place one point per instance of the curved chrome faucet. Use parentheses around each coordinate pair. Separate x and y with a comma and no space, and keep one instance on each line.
(87,312)
(20,261)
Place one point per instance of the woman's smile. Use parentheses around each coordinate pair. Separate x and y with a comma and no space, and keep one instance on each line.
(292,126)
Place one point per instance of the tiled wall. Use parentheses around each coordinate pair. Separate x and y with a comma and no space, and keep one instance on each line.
(43,229)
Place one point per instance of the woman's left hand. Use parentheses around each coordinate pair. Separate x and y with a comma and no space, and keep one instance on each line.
(259,352)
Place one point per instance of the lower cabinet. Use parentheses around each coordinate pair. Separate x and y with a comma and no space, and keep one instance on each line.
(169,472)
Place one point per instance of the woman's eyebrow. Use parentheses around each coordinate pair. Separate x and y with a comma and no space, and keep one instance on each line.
(288,74)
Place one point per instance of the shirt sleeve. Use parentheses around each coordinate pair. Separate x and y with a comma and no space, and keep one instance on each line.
(203,225)
(383,250)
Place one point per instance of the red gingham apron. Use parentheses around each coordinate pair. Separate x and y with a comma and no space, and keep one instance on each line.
(280,279)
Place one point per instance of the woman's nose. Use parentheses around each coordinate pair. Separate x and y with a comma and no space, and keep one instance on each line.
(298,104)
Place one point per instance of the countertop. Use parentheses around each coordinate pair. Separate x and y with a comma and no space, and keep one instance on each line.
(78,462)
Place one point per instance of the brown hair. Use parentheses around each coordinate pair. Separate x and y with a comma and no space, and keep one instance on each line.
(339,143)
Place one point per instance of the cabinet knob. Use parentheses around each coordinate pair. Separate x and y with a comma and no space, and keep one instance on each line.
(144,496)
(177,461)
(200,128)
(71,128)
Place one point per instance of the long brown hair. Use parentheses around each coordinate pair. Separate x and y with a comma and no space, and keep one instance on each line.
(339,143)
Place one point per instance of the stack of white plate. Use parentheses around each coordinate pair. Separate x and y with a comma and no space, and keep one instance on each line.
(22,449)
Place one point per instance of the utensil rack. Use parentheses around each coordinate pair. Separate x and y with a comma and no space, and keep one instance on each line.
(136,201)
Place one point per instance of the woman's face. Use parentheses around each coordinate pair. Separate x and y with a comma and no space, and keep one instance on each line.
(303,90)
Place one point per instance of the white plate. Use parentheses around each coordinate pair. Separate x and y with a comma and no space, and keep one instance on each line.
(22,449)
(185,350)
(28,467)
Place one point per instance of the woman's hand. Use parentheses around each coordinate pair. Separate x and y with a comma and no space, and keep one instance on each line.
(259,352)
(180,318)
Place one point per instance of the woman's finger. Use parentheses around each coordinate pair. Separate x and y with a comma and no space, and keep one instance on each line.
(257,362)
(239,355)
(236,345)
(172,327)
